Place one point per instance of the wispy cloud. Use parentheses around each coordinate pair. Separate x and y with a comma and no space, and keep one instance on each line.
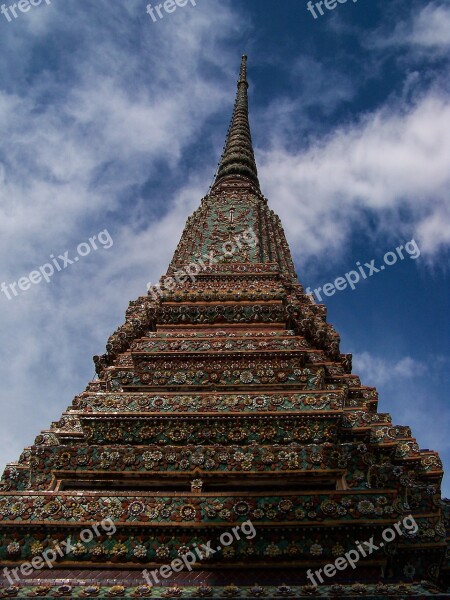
(388,161)
(427,28)
(375,370)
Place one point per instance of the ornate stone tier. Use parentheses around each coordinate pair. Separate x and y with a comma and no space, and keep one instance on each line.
(155,529)
(106,586)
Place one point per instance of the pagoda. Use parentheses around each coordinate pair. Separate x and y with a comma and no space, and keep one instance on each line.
(224,416)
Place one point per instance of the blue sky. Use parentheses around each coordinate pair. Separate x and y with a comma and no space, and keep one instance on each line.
(110,120)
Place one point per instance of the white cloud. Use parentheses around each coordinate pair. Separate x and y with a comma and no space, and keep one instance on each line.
(426,29)
(432,26)
(375,370)
(393,159)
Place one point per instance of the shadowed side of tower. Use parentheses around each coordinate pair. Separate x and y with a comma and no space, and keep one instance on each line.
(224,415)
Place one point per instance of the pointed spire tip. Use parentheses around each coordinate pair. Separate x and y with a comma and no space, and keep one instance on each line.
(238,158)
(243,70)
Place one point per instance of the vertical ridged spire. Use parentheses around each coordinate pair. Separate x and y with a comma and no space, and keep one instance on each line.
(238,157)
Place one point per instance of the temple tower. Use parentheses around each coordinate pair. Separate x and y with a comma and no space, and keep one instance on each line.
(224,415)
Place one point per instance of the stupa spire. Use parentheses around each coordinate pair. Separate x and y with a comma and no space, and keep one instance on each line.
(238,158)
(223,412)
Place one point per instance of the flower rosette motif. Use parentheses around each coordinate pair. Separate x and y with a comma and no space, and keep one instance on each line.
(233,402)
(272,550)
(98,552)
(337,550)
(63,460)
(178,434)
(143,402)
(271,514)
(268,458)
(239,456)
(359,589)
(140,551)
(40,591)
(172,458)
(197,458)
(165,512)
(366,507)
(241,508)
(172,592)
(204,591)
(183,550)
(112,507)
(247,464)
(316,457)
(90,591)
(136,508)
(119,550)
(184,465)
(316,550)
(153,512)
(11,591)
(237,434)
(292,461)
(162,552)
(223,457)
(299,514)
(113,434)
(292,550)
(284,591)
(147,460)
(36,548)
(210,464)
(78,549)
(268,433)
(337,590)
(260,402)
(82,460)
(303,433)
(13,549)
(116,591)
(158,403)
(329,508)
(285,505)
(246,377)
(178,378)
(225,514)
(276,401)
(12,473)
(209,402)
(17,509)
(188,512)
(142,591)
(256,591)
(52,508)
(230,591)
(211,512)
